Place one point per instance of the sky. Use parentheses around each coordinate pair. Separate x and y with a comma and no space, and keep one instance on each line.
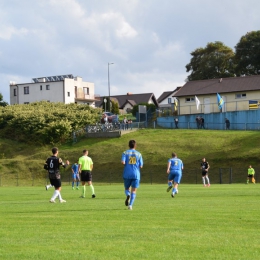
(148,41)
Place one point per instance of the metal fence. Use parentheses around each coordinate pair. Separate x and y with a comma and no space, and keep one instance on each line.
(207,125)
(190,176)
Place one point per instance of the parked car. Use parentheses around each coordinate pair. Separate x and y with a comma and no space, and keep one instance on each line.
(111,118)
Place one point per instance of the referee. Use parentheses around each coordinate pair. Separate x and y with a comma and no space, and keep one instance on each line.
(85,168)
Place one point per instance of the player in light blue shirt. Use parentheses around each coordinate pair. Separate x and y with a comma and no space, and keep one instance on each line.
(174,171)
(75,175)
(132,161)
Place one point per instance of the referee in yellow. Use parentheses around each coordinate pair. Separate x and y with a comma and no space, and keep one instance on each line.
(85,168)
(250,174)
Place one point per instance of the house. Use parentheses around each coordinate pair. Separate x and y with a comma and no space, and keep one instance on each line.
(238,93)
(126,102)
(63,88)
(167,99)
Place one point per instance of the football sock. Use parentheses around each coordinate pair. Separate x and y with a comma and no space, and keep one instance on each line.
(72,184)
(55,195)
(207,178)
(48,186)
(170,183)
(203,180)
(92,189)
(132,199)
(247,181)
(127,192)
(77,184)
(174,190)
(59,195)
(83,190)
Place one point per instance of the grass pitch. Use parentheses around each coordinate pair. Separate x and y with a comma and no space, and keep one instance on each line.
(220,222)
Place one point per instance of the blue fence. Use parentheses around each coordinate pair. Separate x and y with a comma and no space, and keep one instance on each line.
(239,120)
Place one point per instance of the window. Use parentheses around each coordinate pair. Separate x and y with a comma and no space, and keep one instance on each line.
(68,94)
(40,87)
(47,87)
(169,100)
(86,91)
(243,95)
(190,99)
(15,92)
(26,90)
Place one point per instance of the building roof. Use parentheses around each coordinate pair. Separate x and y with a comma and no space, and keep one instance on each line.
(166,94)
(220,85)
(132,99)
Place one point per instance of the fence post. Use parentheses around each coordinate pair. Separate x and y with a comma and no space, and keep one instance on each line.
(220,176)
(230,175)
(17,176)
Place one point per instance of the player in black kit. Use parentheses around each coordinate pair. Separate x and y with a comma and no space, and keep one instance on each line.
(205,168)
(52,165)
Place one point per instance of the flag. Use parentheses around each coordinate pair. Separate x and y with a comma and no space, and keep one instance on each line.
(253,104)
(175,105)
(197,103)
(220,101)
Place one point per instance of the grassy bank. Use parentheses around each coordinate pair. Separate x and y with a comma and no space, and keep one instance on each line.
(234,149)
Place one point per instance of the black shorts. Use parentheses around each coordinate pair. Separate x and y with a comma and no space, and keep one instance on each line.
(204,173)
(250,176)
(56,183)
(86,175)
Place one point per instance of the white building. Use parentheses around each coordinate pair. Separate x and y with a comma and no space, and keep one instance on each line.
(64,88)
(167,99)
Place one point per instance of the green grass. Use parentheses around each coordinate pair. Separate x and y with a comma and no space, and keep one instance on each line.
(220,222)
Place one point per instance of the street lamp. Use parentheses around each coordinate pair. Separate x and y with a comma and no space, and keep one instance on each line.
(105,100)
(109,83)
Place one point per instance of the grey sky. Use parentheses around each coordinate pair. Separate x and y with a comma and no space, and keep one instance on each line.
(149,41)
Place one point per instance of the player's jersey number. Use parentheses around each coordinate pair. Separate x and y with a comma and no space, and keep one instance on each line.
(132,160)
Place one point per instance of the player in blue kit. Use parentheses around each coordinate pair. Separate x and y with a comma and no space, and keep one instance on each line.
(75,175)
(132,161)
(174,171)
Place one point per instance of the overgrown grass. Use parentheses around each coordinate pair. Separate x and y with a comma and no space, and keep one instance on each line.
(220,222)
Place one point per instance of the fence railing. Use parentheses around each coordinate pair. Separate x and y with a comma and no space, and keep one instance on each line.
(207,125)
(223,175)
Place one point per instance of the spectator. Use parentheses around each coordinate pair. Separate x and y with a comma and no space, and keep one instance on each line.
(202,123)
(130,123)
(176,121)
(198,122)
(125,123)
(227,124)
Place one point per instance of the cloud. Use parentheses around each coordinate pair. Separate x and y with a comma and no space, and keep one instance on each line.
(149,42)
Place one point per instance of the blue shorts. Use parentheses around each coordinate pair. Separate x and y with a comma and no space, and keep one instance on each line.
(75,176)
(134,183)
(175,176)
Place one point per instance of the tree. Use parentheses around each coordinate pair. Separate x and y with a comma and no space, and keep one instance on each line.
(2,102)
(247,54)
(213,61)
(114,108)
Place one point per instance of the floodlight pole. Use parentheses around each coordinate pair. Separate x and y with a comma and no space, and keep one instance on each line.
(108,81)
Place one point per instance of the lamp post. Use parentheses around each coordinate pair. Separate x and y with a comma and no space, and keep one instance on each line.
(109,83)
(105,100)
